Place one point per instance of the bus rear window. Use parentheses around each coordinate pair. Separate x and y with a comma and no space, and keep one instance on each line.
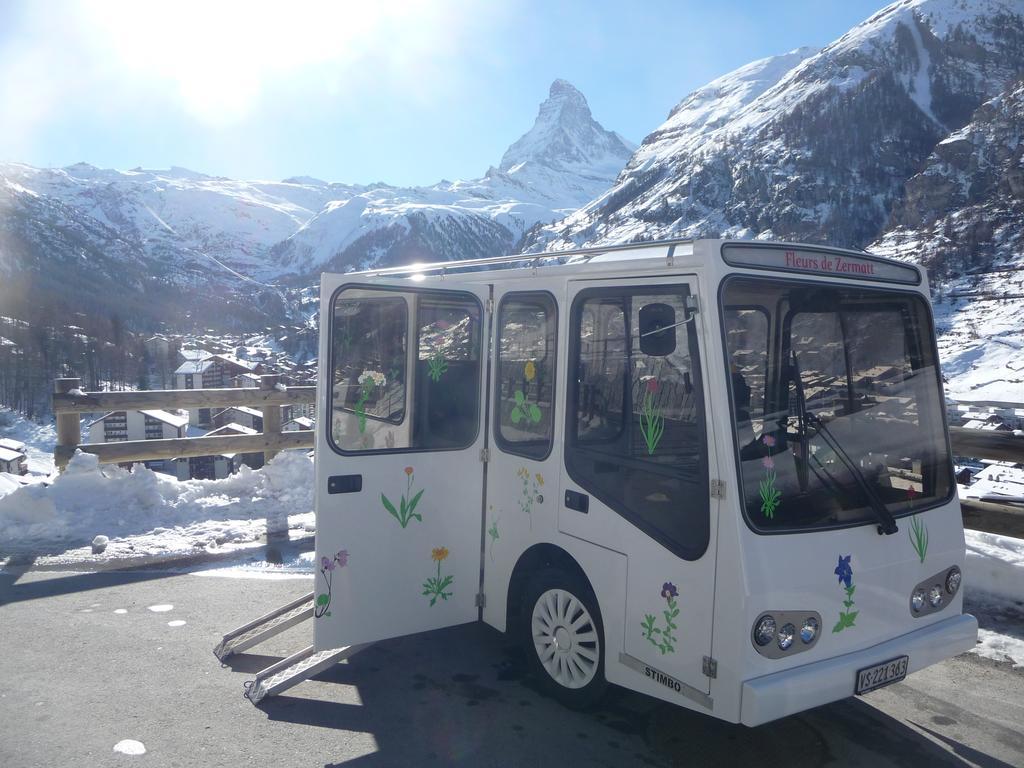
(835,395)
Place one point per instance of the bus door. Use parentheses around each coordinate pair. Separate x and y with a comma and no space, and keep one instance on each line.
(399,477)
(638,466)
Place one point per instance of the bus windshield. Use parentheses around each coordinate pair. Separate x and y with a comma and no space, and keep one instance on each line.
(836,403)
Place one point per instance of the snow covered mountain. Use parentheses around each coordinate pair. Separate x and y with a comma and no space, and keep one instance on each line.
(963,218)
(565,160)
(812,146)
(216,249)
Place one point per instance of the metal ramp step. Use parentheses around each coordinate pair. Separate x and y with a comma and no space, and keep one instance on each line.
(264,627)
(293,670)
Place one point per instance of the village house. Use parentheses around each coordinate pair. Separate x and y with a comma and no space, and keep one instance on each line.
(137,425)
(240,414)
(299,422)
(221,465)
(13,458)
(210,372)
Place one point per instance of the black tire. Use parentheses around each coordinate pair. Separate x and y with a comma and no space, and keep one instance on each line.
(558,609)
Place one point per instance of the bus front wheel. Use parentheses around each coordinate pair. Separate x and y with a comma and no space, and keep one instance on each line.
(563,636)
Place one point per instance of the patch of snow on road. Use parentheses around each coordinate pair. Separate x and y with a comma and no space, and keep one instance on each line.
(120,610)
(162,608)
(176,623)
(130,747)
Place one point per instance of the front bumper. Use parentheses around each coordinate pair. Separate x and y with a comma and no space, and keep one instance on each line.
(795,690)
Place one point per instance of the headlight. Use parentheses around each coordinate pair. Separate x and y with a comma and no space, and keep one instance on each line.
(786,635)
(809,630)
(764,632)
(917,600)
(953,578)
(935,596)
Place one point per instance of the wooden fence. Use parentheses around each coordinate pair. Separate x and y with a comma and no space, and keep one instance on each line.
(69,401)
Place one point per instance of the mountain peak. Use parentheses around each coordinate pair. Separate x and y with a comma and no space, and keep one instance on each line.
(565,137)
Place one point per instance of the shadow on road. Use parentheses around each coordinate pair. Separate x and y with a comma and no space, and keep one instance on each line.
(12,592)
(421,707)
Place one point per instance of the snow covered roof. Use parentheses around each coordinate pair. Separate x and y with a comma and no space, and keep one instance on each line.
(11,445)
(6,454)
(174,419)
(194,354)
(232,429)
(303,421)
(243,409)
(195,366)
(230,359)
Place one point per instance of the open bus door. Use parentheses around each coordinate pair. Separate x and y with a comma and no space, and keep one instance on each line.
(401,398)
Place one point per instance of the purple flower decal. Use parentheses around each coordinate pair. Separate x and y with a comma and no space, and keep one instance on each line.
(327,564)
(768,440)
(341,558)
(768,462)
(668,590)
(844,571)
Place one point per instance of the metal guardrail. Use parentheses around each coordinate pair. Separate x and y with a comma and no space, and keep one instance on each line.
(69,401)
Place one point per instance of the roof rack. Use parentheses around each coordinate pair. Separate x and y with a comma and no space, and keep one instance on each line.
(532,259)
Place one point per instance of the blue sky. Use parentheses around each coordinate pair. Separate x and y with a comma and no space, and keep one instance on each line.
(405,92)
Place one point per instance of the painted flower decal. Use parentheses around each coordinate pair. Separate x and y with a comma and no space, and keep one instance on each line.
(540,479)
(322,605)
(437,586)
(770,495)
(652,423)
(663,638)
(844,571)
(408,471)
(530,371)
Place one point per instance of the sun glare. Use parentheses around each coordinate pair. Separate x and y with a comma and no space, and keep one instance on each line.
(220,57)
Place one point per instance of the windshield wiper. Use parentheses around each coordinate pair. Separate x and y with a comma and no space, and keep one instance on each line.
(887,522)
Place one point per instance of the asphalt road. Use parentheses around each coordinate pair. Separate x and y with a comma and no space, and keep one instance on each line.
(76,678)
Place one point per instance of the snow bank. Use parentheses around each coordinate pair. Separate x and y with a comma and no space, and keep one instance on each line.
(88,500)
(995,565)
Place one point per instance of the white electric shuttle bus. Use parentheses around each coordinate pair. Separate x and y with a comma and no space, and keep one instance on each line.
(714,472)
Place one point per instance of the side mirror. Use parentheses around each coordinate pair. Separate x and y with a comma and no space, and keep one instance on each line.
(657,329)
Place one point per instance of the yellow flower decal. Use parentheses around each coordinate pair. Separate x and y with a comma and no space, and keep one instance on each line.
(540,479)
(531,371)
(439,553)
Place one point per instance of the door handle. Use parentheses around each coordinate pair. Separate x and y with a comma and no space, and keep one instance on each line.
(578,501)
(344,483)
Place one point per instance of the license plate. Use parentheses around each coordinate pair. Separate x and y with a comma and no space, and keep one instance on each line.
(886,673)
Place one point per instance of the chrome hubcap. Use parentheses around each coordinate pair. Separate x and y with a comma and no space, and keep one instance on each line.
(565,638)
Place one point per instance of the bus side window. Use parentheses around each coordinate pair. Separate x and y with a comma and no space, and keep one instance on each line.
(447,377)
(368,362)
(635,436)
(525,380)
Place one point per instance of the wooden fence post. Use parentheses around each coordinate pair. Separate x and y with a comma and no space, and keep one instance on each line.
(277,521)
(271,414)
(69,425)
